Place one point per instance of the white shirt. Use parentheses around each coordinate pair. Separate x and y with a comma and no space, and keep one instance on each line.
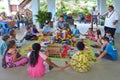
(110,18)
(94,12)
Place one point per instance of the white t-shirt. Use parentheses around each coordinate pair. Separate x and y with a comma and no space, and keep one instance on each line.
(110,18)
(94,12)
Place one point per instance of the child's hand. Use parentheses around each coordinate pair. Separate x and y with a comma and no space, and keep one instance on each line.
(95,60)
(62,67)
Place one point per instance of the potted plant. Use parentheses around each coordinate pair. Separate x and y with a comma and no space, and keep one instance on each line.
(42,17)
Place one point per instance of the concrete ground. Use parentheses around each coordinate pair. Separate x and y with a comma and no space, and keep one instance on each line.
(102,70)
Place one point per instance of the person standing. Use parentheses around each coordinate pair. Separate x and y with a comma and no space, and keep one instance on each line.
(94,17)
(111,20)
(18,19)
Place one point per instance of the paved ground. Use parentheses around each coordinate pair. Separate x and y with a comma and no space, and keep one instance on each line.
(103,70)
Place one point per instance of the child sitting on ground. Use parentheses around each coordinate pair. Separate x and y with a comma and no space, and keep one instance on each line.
(35,31)
(12,58)
(47,30)
(109,35)
(80,60)
(109,51)
(3,44)
(13,37)
(90,34)
(98,39)
(28,35)
(12,34)
(75,31)
(36,62)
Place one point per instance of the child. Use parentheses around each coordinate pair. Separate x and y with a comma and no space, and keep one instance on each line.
(34,30)
(90,34)
(36,62)
(29,36)
(76,31)
(109,52)
(12,58)
(98,39)
(3,44)
(12,35)
(109,35)
(47,30)
(80,60)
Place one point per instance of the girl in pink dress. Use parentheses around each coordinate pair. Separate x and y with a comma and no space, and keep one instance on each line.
(12,58)
(37,67)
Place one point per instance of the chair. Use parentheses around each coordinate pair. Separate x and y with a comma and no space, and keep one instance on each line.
(5,27)
(88,18)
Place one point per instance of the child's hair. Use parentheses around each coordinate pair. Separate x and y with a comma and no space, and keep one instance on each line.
(75,25)
(28,28)
(10,44)
(5,37)
(98,32)
(105,39)
(12,33)
(34,54)
(80,45)
(109,31)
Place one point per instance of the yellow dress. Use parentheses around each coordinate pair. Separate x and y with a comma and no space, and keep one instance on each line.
(80,61)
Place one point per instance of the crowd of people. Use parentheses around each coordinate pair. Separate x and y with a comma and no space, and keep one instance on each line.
(64,34)
(14,21)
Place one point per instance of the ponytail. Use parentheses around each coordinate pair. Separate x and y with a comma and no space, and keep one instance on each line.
(33,59)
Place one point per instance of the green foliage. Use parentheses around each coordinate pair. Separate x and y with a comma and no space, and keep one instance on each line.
(42,17)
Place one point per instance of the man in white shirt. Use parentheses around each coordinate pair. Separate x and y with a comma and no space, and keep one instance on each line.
(111,20)
(94,16)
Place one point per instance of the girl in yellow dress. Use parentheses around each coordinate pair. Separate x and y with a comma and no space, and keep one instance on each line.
(80,60)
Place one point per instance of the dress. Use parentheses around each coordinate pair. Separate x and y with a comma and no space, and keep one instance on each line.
(10,63)
(38,70)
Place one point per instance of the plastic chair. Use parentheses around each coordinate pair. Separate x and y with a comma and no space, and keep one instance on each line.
(5,27)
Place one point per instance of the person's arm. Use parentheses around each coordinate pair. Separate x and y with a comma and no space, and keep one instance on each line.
(14,56)
(68,65)
(101,56)
(51,63)
(105,14)
(115,22)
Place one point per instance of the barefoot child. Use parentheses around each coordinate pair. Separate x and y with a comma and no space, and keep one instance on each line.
(109,52)
(28,35)
(36,62)
(80,60)
(12,58)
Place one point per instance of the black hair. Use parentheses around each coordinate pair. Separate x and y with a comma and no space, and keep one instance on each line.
(75,25)
(35,29)
(10,44)
(105,39)
(80,45)
(98,32)
(111,6)
(28,28)
(109,31)
(34,54)
(5,37)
